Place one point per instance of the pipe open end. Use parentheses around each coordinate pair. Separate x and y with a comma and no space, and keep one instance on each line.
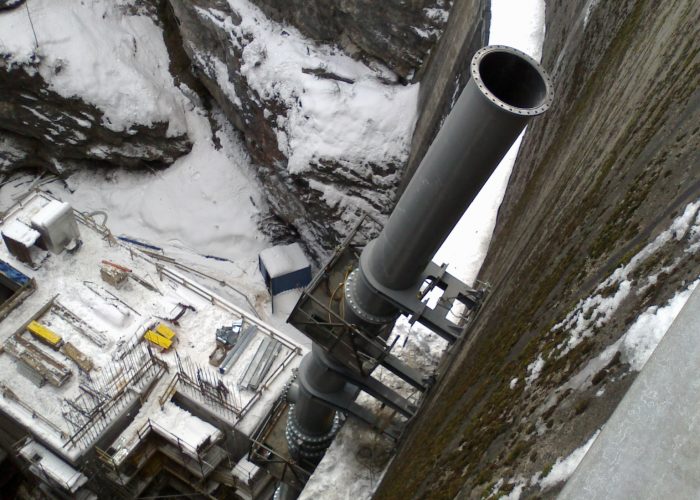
(512,80)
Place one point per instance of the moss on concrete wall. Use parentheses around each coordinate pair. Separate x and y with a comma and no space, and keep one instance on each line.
(611,165)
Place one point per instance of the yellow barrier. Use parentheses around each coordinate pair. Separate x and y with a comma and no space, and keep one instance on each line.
(45,335)
(164,331)
(158,340)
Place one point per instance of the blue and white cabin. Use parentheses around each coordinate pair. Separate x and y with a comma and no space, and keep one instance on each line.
(284,267)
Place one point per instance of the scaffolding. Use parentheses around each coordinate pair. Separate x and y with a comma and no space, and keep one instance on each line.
(207,387)
(48,466)
(266,446)
(106,395)
(157,449)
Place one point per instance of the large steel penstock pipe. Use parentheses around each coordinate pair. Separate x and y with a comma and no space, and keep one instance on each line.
(507,88)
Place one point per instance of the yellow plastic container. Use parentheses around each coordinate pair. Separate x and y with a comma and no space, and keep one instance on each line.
(157,339)
(45,335)
(164,331)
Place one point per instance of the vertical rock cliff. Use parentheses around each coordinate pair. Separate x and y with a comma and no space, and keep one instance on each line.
(398,33)
(597,240)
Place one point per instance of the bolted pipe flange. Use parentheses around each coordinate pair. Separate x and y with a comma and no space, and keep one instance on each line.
(351,299)
(534,95)
(291,388)
(308,446)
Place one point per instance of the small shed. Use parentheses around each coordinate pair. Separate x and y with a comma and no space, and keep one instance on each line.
(19,240)
(284,267)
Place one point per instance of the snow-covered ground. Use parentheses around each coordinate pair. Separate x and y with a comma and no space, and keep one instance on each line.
(356,121)
(97,51)
(208,202)
(111,56)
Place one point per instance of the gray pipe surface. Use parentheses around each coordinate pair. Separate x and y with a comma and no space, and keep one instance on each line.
(312,416)
(507,88)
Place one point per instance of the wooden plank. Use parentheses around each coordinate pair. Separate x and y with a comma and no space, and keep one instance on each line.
(77,356)
(50,369)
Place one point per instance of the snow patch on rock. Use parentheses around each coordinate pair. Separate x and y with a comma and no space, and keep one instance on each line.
(646,332)
(564,467)
(596,310)
(337,108)
(100,53)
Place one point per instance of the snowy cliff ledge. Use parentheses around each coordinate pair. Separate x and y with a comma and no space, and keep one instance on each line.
(112,83)
(400,35)
(330,135)
(79,85)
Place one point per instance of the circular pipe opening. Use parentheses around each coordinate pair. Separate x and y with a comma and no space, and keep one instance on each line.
(512,80)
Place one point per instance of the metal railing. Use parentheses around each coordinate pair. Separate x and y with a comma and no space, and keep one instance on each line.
(130,374)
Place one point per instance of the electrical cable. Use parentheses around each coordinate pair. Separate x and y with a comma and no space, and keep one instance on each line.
(31,23)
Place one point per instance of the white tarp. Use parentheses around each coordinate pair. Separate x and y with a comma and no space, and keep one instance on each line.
(46,464)
(174,423)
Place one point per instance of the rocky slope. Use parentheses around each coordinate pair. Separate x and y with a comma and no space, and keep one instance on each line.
(42,129)
(598,231)
(328,125)
(330,136)
(56,116)
(398,33)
